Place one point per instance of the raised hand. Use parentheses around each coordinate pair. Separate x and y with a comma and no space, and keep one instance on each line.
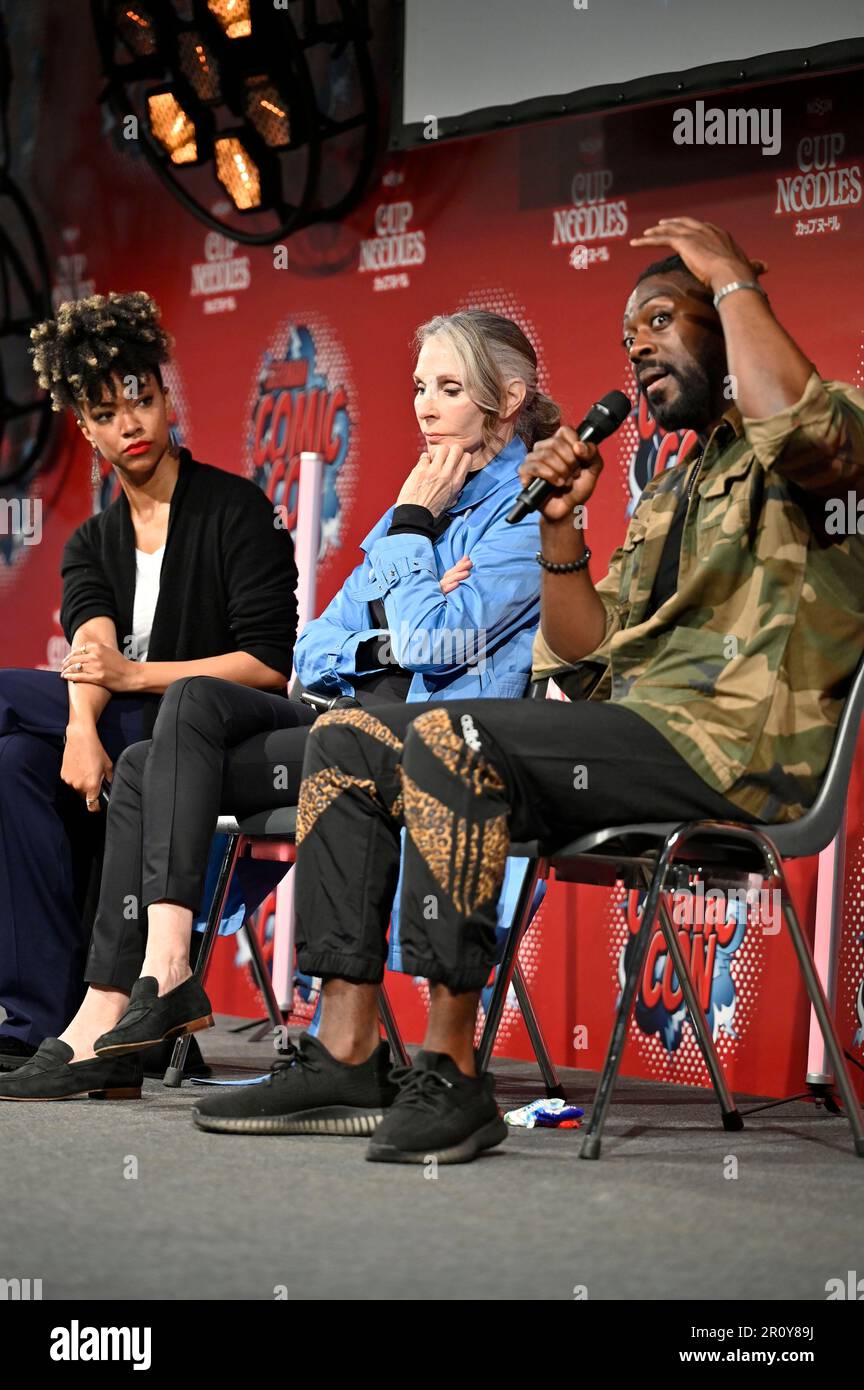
(436,479)
(708,251)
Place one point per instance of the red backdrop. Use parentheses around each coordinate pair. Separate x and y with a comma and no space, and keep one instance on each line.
(271,360)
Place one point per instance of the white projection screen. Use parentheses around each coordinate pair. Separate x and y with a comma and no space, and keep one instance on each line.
(478,65)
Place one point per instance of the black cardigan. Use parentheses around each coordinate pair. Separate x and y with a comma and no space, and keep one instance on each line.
(228,575)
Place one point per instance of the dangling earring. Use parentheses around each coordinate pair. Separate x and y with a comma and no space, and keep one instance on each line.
(95,467)
(174,441)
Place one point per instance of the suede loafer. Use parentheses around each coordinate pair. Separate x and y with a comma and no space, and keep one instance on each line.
(51,1074)
(151,1019)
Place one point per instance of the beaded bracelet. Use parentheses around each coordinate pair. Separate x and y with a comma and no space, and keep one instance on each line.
(569,568)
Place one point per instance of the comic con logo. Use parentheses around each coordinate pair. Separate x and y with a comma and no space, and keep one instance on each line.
(301,405)
(655,449)
(709,942)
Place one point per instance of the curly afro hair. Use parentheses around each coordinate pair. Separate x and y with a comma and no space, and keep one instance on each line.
(76,354)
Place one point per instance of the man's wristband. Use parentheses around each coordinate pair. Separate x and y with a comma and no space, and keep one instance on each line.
(738,285)
(570,568)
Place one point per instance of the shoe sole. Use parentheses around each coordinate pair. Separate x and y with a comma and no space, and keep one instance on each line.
(121,1049)
(334,1119)
(110,1093)
(495,1132)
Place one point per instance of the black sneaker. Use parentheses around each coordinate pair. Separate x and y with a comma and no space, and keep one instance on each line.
(14,1053)
(439,1113)
(307,1092)
(150,1019)
(52,1075)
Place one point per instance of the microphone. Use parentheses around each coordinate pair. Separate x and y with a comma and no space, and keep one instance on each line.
(602,420)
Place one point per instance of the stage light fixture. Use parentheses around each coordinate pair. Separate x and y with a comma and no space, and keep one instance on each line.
(269,112)
(135,27)
(238,173)
(233,16)
(275,105)
(172,127)
(199,66)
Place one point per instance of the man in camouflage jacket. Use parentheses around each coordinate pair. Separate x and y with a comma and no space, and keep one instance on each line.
(745,667)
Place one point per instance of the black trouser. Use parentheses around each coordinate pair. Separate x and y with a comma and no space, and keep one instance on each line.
(217,747)
(50,848)
(464,778)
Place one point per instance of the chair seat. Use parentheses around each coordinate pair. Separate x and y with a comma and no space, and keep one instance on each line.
(280,824)
(602,848)
(619,852)
(792,840)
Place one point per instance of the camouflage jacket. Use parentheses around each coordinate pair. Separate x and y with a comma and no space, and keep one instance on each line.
(745,667)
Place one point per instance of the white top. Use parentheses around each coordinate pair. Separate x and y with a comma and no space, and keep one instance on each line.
(147,571)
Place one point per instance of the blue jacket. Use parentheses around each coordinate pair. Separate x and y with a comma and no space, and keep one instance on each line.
(472,643)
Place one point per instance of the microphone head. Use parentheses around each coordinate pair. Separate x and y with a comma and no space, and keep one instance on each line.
(604,417)
(618,405)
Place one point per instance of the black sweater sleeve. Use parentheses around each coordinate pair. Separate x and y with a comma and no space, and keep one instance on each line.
(87,592)
(261,578)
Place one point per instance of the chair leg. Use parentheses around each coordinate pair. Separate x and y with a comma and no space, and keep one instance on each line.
(507,963)
(821,1006)
(391,1028)
(262,976)
(551,1078)
(729,1112)
(174,1074)
(593,1134)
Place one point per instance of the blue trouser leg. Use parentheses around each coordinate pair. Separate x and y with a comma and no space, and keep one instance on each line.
(47,843)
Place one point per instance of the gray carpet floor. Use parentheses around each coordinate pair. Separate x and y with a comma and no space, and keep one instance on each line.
(234,1217)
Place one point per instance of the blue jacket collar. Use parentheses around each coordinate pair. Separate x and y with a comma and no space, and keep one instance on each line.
(498,471)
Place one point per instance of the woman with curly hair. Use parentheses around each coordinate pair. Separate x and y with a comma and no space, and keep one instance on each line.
(184,574)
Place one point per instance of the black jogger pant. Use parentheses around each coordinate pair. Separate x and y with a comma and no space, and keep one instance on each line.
(464,778)
(217,747)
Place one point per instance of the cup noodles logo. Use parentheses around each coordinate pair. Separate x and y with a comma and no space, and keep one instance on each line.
(221,274)
(824,181)
(393,245)
(592,216)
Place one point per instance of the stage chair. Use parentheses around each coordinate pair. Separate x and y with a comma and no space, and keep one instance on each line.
(270,835)
(660,857)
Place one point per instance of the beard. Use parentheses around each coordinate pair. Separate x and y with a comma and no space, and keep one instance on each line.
(694,406)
